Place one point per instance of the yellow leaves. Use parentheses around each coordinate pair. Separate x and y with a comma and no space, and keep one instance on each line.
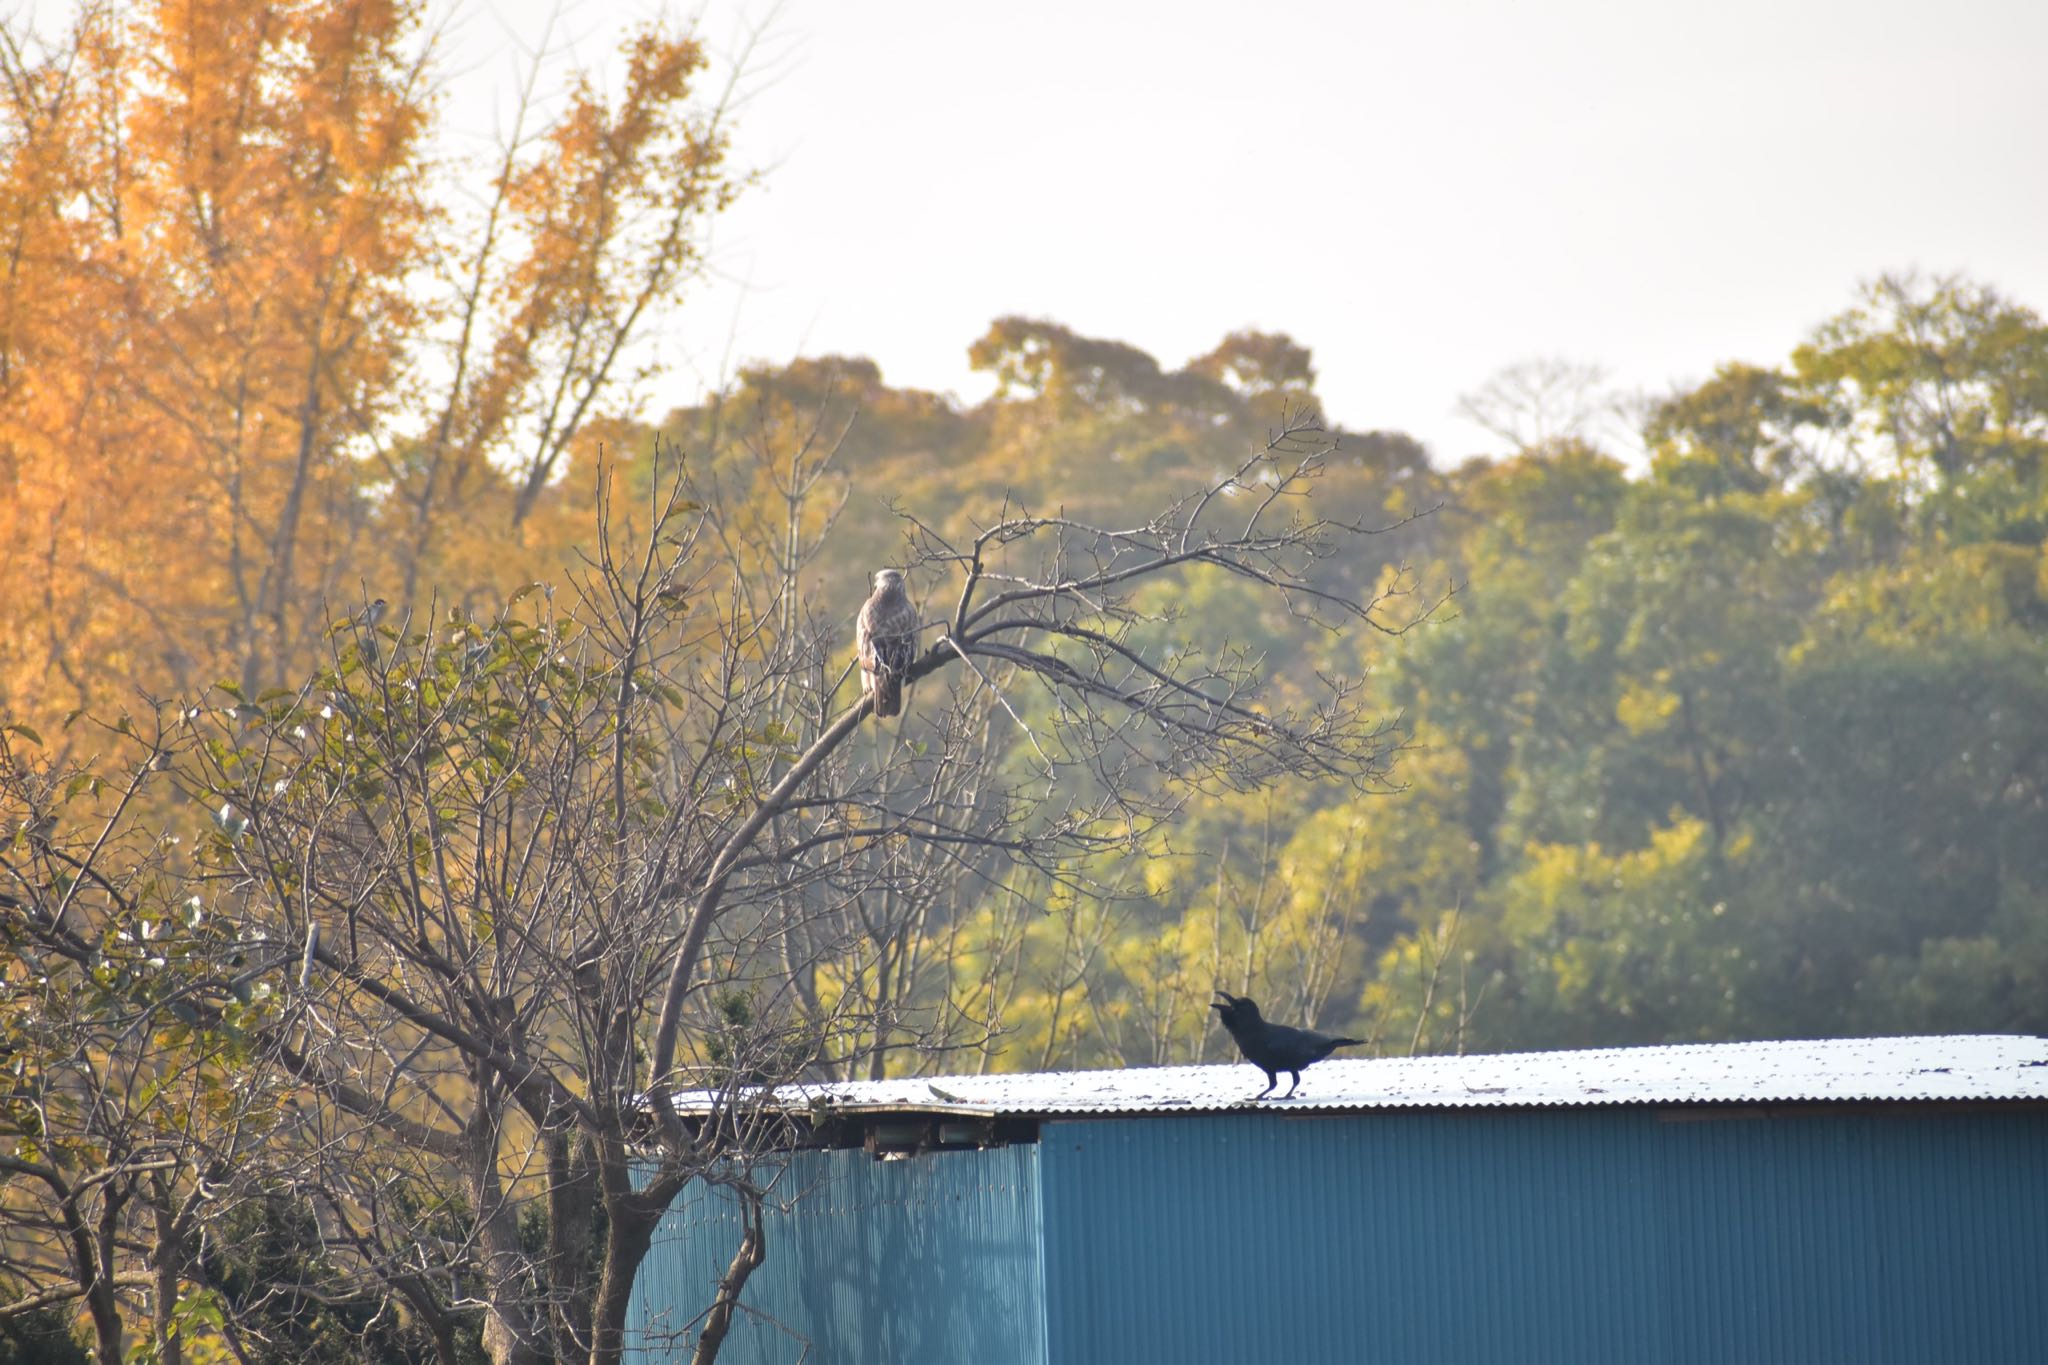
(1573,969)
(1936,591)
(213,335)
(599,169)
(659,71)
(211,338)
(1677,843)
(1583,887)
(1644,707)
(1159,876)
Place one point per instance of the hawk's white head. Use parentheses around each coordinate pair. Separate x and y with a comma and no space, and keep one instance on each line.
(886,579)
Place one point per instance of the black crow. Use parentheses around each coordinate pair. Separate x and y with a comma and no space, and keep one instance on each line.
(1274,1048)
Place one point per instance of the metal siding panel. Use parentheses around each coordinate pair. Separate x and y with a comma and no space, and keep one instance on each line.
(1428,1237)
(1574,1237)
(934,1258)
(1413,1237)
(1861,1239)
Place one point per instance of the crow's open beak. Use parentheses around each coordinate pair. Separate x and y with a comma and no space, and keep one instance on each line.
(1214,1005)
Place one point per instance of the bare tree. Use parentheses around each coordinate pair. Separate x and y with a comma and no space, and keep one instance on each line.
(126,1125)
(1533,403)
(510,885)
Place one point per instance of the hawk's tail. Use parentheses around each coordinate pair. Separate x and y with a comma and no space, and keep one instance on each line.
(888,693)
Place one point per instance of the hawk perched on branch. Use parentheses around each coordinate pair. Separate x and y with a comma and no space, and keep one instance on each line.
(887,634)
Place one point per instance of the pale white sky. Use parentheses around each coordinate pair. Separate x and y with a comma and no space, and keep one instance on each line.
(1420,192)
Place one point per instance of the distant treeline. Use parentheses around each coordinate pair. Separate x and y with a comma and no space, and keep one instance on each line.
(1750,742)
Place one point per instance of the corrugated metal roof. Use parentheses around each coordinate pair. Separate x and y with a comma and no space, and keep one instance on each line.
(1839,1070)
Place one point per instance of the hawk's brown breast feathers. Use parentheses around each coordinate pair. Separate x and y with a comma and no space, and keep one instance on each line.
(886,632)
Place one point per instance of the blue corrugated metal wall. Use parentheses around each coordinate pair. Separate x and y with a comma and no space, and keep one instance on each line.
(1530,1237)
(883,1262)
(1576,1237)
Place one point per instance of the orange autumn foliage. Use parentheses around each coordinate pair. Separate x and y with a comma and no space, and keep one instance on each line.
(252,363)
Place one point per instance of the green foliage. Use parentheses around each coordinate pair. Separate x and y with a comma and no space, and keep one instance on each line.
(40,1338)
(1758,748)
(1748,743)
(745,1049)
(1631,947)
(288,1308)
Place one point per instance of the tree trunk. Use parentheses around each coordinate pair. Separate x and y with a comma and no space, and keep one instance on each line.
(511,1331)
(170,1347)
(753,1250)
(93,1262)
(572,1209)
(106,1325)
(1695,746)
(627,1237)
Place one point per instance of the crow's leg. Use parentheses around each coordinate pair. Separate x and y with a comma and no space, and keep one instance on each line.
(1292,1088)
(1272,1079)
